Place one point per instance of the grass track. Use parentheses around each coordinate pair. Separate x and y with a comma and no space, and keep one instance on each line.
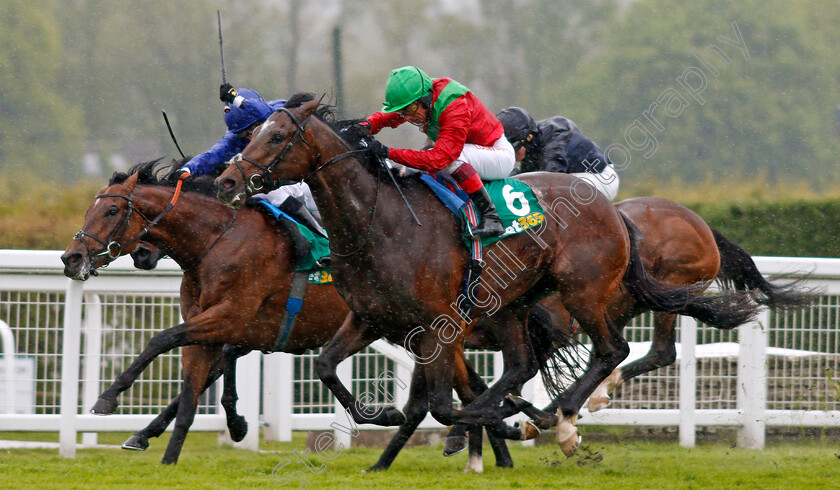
(645,464)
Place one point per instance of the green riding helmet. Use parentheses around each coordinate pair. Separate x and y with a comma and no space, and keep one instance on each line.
(404,86)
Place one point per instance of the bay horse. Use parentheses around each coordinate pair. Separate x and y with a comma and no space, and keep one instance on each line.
(222,252)
(400,281)
(678,248)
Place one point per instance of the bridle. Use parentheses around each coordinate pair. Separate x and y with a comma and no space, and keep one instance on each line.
(112,246)
(258,181)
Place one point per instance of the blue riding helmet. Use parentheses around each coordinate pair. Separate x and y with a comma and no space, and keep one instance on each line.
(238,119)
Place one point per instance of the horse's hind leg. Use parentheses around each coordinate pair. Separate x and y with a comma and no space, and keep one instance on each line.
(236,423)
(139,441)
(196,369)
(608,350)
(415,411)
(662,353)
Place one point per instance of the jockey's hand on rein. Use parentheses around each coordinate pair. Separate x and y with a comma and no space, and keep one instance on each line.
(183,173)
(377,148)
(227,93)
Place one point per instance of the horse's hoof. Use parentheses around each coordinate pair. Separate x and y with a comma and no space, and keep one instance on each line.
(598,403)
(238,428)
(454,445)
(567,436)
(474,464)
(504,463)
(104,406)
(136,443)
(375,468)
(528,429)
(393,417)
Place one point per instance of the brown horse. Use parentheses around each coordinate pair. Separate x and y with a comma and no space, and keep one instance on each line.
(221,251)
(208,240)
(400,281)
(678,248)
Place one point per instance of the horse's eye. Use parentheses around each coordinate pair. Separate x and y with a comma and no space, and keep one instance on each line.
(113,211)
(277,138)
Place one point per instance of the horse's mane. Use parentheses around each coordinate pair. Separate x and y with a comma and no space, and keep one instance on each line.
(155,172)
(352,134)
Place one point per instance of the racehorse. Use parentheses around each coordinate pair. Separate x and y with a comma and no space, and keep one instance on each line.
(400,280)
(678,248)
(221,251)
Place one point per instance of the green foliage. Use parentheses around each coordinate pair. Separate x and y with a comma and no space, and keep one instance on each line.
(766,108)
(798,228)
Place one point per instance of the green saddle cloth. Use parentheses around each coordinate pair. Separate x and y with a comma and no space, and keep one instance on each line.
(517,206)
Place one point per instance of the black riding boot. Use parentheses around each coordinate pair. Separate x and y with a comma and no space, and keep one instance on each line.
(490,224)
(299,242)
(297,210)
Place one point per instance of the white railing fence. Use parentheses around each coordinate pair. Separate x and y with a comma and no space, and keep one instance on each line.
(64,341)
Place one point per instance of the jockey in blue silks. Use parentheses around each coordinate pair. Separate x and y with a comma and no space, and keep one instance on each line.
(245,110)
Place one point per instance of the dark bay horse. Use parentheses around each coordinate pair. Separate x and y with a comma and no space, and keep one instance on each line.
(222,251)
(399,279)
(678,248)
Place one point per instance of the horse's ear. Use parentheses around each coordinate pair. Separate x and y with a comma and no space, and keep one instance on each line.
(307,108)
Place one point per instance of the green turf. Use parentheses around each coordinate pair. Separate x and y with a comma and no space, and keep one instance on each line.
(632,464)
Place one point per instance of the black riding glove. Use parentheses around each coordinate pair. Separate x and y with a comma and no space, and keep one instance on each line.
(378,149)
(227,93)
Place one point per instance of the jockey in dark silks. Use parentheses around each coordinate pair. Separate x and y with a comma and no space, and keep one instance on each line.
(468,140)
(557,145)
(244,112)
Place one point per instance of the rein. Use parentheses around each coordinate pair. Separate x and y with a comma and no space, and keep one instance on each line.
(207,250)
(113,249)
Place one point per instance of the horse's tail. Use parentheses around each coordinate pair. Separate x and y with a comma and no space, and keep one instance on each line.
(739,272)
(726,310)
(560,356)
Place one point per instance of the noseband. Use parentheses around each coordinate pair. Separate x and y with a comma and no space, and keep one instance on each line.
(112,247)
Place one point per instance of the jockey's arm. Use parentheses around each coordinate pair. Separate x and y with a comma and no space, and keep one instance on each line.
(448,146)
(222,151)
(379,120)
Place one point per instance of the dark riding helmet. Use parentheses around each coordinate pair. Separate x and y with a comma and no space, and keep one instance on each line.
(238,119)
(518,124)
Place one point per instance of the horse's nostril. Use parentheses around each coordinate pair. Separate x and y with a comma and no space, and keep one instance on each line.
(227,183)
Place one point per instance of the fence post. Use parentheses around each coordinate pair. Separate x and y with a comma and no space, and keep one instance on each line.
(688,380)
(278,394)
(10,363)
(248,387)
(752,380)
(70,368)
(93,357)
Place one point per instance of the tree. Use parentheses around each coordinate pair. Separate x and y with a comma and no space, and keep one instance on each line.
(40,132)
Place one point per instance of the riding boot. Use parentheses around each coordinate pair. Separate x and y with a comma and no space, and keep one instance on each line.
(297,210)
(470,181)
(299,243)
(490,224)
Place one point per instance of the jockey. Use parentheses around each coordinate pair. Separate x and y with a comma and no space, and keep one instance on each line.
(244,111)
(468,140)
(557,145)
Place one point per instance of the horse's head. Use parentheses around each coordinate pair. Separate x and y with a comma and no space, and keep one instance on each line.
(112,228)
(146,256)
(278,152)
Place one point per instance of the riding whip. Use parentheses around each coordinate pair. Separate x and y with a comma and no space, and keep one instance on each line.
(221,49)
(171,134)
(388,171)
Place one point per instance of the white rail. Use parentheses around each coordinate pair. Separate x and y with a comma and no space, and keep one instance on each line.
(107,310)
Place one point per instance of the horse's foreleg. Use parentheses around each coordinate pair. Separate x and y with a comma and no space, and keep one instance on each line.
(196,369)
(415,411)
(236,423)
(139,441)
(161,342)
(354,335)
